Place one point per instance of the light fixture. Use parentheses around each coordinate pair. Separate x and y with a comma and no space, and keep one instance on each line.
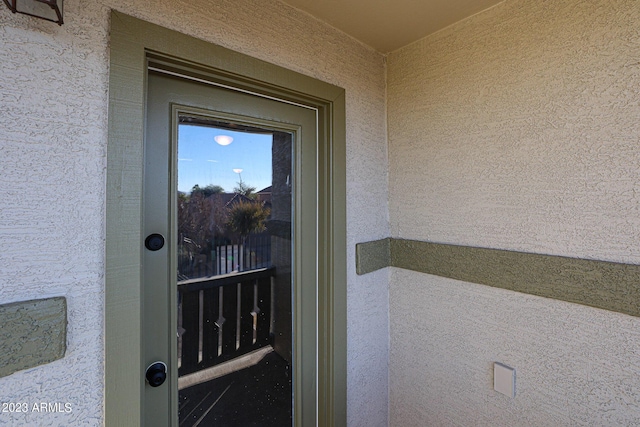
(239,172)
(50,10)
(221,139)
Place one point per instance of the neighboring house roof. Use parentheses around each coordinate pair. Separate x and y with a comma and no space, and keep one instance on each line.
(264,196)
(235,198)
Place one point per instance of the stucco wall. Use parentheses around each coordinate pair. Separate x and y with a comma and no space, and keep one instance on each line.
(519,129)
(53,98)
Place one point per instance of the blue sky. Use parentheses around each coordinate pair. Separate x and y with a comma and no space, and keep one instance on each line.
(202,161)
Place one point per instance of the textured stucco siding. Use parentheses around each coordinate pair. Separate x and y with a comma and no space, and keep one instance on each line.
(53,98)
(574,366)
(517,129)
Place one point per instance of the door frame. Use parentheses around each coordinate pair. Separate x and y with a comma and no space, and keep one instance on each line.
(134,44)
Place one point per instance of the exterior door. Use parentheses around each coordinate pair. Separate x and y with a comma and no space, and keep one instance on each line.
(220,304)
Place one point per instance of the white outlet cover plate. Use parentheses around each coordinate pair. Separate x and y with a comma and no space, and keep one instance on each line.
(504,379)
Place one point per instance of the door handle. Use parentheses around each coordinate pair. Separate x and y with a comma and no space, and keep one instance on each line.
(156,374)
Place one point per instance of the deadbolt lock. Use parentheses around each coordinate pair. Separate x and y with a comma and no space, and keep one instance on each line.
(154,242)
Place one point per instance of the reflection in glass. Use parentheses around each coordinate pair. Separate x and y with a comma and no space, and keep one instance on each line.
(234,274)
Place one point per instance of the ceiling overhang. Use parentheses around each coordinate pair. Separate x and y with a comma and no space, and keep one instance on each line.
(387,25)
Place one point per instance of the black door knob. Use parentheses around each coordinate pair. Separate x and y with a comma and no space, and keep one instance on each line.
(156,374)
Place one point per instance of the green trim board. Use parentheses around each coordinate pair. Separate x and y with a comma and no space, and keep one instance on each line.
(134,45)
(372,256)
(601,284)
(32,333)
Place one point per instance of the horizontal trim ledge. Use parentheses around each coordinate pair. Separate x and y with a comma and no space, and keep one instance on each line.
(32,333)
(601,284)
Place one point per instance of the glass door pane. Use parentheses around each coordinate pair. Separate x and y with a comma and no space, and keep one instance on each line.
(234,258)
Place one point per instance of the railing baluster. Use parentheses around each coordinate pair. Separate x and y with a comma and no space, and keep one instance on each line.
(229,310)
(246,319)
(272,306)
(209,327)
(218,269)
(264,316)
(221,320)
(200,323)
(180,330)
(190,344)
(238,313)
(254,314)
